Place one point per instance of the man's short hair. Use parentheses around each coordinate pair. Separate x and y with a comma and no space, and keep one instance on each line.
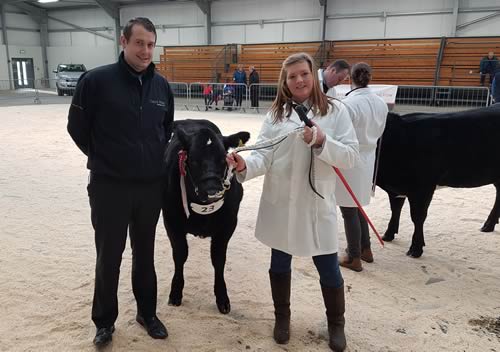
(143,21)
(339,65)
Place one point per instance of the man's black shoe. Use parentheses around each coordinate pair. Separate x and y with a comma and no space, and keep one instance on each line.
(103,336)
(153,326)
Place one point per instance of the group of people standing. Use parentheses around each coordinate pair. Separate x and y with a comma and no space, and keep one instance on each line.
(121,118)
(241,81)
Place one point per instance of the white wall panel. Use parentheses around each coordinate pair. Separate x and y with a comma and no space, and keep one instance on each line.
(354,28)
(20,20)
(364,6)
(181,13)
(419,26)
(242,10)
(228,34)
(80,55)
(268,33)
(87,18)
(302,31)
(167,37)
(23,38)
(193,36)
(59,38)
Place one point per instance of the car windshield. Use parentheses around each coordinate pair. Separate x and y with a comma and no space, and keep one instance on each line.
(71,68)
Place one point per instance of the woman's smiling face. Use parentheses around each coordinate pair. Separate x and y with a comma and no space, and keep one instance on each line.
(300,81)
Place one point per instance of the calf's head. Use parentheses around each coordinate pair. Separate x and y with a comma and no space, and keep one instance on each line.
(206,167)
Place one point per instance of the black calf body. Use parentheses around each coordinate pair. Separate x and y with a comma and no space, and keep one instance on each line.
(205,171)
(422,151)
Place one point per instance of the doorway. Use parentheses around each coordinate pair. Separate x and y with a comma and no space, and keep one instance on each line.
(23,72)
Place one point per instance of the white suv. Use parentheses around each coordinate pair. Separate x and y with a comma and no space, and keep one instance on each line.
(67,76)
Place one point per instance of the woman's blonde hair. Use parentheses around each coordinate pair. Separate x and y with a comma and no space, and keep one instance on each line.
(282,105)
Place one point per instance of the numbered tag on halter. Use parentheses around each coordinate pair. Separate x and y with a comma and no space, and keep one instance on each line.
(206,209)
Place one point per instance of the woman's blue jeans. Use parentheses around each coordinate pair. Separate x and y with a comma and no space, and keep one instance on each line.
(327,266)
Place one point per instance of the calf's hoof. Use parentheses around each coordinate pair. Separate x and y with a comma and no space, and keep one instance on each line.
(224,307)
(415,253)
(488,227)
(172,301)
(388,237)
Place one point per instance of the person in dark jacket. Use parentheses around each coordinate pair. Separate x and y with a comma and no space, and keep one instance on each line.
(253,78)
(488,67)
(121,118)
(240,78)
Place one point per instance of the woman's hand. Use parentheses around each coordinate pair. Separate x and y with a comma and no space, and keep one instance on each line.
(236,161)
(309,133)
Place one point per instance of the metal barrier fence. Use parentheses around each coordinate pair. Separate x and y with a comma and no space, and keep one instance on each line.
(218,96)
(239,97)
(441,98)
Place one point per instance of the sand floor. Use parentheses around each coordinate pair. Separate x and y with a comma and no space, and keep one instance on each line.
(448,300)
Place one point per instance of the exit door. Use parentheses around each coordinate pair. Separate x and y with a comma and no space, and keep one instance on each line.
(24,73)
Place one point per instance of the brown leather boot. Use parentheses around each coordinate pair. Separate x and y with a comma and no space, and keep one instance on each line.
(351,263)
(280,289)
(367,255)
(335,307)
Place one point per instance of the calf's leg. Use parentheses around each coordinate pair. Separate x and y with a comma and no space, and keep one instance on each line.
(180,254)
(419,204)
(396,206)
(489,225)
(218,249)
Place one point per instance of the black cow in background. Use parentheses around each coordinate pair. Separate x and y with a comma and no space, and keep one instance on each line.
(212,205)
(421,151)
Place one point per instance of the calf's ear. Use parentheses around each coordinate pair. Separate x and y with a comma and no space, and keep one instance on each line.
(236,140)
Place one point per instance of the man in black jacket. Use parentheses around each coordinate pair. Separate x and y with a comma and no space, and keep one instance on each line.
(121,118)
(254,78)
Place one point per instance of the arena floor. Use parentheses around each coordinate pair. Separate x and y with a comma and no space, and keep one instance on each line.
(448,300)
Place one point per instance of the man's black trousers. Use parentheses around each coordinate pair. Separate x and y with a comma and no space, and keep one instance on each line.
(116,206)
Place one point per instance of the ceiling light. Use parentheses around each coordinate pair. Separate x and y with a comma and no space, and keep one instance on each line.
(46,1)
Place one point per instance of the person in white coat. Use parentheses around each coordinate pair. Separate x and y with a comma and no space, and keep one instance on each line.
(332,76)
(368,113)
(292,218)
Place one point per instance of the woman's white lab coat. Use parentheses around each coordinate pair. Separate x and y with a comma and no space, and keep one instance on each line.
(368,113)
(291,217)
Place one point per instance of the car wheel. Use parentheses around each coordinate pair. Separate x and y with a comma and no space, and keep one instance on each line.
(59,92)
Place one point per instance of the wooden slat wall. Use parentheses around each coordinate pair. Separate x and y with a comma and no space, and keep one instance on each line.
(400,62)
(394,61)
(189,63)
(267,58)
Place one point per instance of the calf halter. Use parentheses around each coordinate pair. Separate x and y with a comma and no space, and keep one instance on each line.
(202,209)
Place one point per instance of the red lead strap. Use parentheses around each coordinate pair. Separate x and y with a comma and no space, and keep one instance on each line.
(360,207)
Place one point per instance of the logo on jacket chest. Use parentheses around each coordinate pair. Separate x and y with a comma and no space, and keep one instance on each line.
(159,103)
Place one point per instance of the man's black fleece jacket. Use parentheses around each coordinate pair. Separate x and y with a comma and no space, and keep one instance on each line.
(122,121)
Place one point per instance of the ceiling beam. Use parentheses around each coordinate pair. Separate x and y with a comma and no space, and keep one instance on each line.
(33,11)
(204,5)
(111,8)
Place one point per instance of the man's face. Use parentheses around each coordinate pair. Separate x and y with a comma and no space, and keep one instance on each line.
(490,55)
(333,78)
(138,50)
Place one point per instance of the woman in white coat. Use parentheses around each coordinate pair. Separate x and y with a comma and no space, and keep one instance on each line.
(292,218)
(368,113)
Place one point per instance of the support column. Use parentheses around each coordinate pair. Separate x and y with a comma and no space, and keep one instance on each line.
(6,43)
(322,19)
